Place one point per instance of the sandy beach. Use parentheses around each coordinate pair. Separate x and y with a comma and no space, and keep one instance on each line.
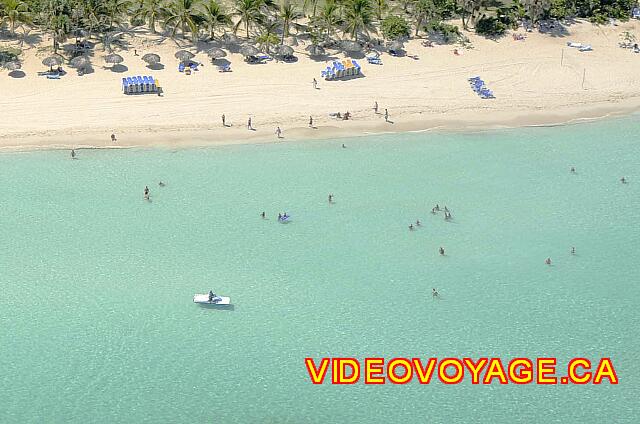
(536,81)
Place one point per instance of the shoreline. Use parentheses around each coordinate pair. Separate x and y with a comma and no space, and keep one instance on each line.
(538,82)
(216,136)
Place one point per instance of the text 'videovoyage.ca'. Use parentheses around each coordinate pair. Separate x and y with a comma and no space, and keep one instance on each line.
(457,370)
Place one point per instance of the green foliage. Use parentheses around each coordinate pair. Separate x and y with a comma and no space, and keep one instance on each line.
(357,17)
(9,54)
(449,33)
(394,27)
(490,26)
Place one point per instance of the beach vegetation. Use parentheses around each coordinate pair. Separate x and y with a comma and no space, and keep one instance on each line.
(394,27)
(327,21)
(357,17)
(214,16)
(449,33)
(490,26)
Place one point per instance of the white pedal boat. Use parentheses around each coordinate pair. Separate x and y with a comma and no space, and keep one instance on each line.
(217,300)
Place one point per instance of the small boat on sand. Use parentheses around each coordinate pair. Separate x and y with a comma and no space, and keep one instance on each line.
(211,299)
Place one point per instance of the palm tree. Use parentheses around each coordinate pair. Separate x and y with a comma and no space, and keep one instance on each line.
(313,3)
(15,11)
(215,16)
(268,36)
(248,11)
(150,10)
(288,14)
(330,16)
(381,7)
(184,15)
(357,16)
(116,9)
(55,15)
(423,12)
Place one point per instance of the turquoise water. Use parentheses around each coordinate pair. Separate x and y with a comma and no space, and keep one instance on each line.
(97,322)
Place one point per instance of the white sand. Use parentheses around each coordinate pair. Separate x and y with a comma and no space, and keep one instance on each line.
(531,86)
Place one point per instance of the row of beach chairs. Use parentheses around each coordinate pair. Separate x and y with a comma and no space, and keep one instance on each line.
(346,68)
(478,86)
(145,84)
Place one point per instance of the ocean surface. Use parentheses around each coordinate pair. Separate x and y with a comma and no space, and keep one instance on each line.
(97,323)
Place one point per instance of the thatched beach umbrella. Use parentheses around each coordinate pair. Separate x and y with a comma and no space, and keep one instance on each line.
(52,61)
(396,45)
(291,40)
(113,58)
(351,46)
(216,53)
(284,50)
(79,62)
(229,38)
(184,55)
(151,58)
(316,50)
(248,50)
(12,66)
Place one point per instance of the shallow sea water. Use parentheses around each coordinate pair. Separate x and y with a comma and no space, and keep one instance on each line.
(97,322)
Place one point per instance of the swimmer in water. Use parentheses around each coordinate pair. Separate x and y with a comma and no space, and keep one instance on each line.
(433,211)
(263,215)
(441,250)
(623,180)
(573,250)
(437,208)
(279,216)
(161,184)
(417,223)
(446,210)
(411,227)
(573,170)
(330,198)
(547,261)
(434,293)
(343,146)
(146,192)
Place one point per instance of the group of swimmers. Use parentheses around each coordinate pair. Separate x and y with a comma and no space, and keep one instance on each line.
(147,192)
(447,213)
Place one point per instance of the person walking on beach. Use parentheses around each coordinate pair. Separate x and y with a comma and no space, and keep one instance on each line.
(386,115)
(310,121)
(249,127)
(224,120)
(113,137)
(279,132)
(315,84)
(375,107)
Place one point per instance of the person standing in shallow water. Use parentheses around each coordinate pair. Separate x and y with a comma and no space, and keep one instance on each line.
(263,215)
(441,250)
(146,193)
(73,154)
(224,120)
